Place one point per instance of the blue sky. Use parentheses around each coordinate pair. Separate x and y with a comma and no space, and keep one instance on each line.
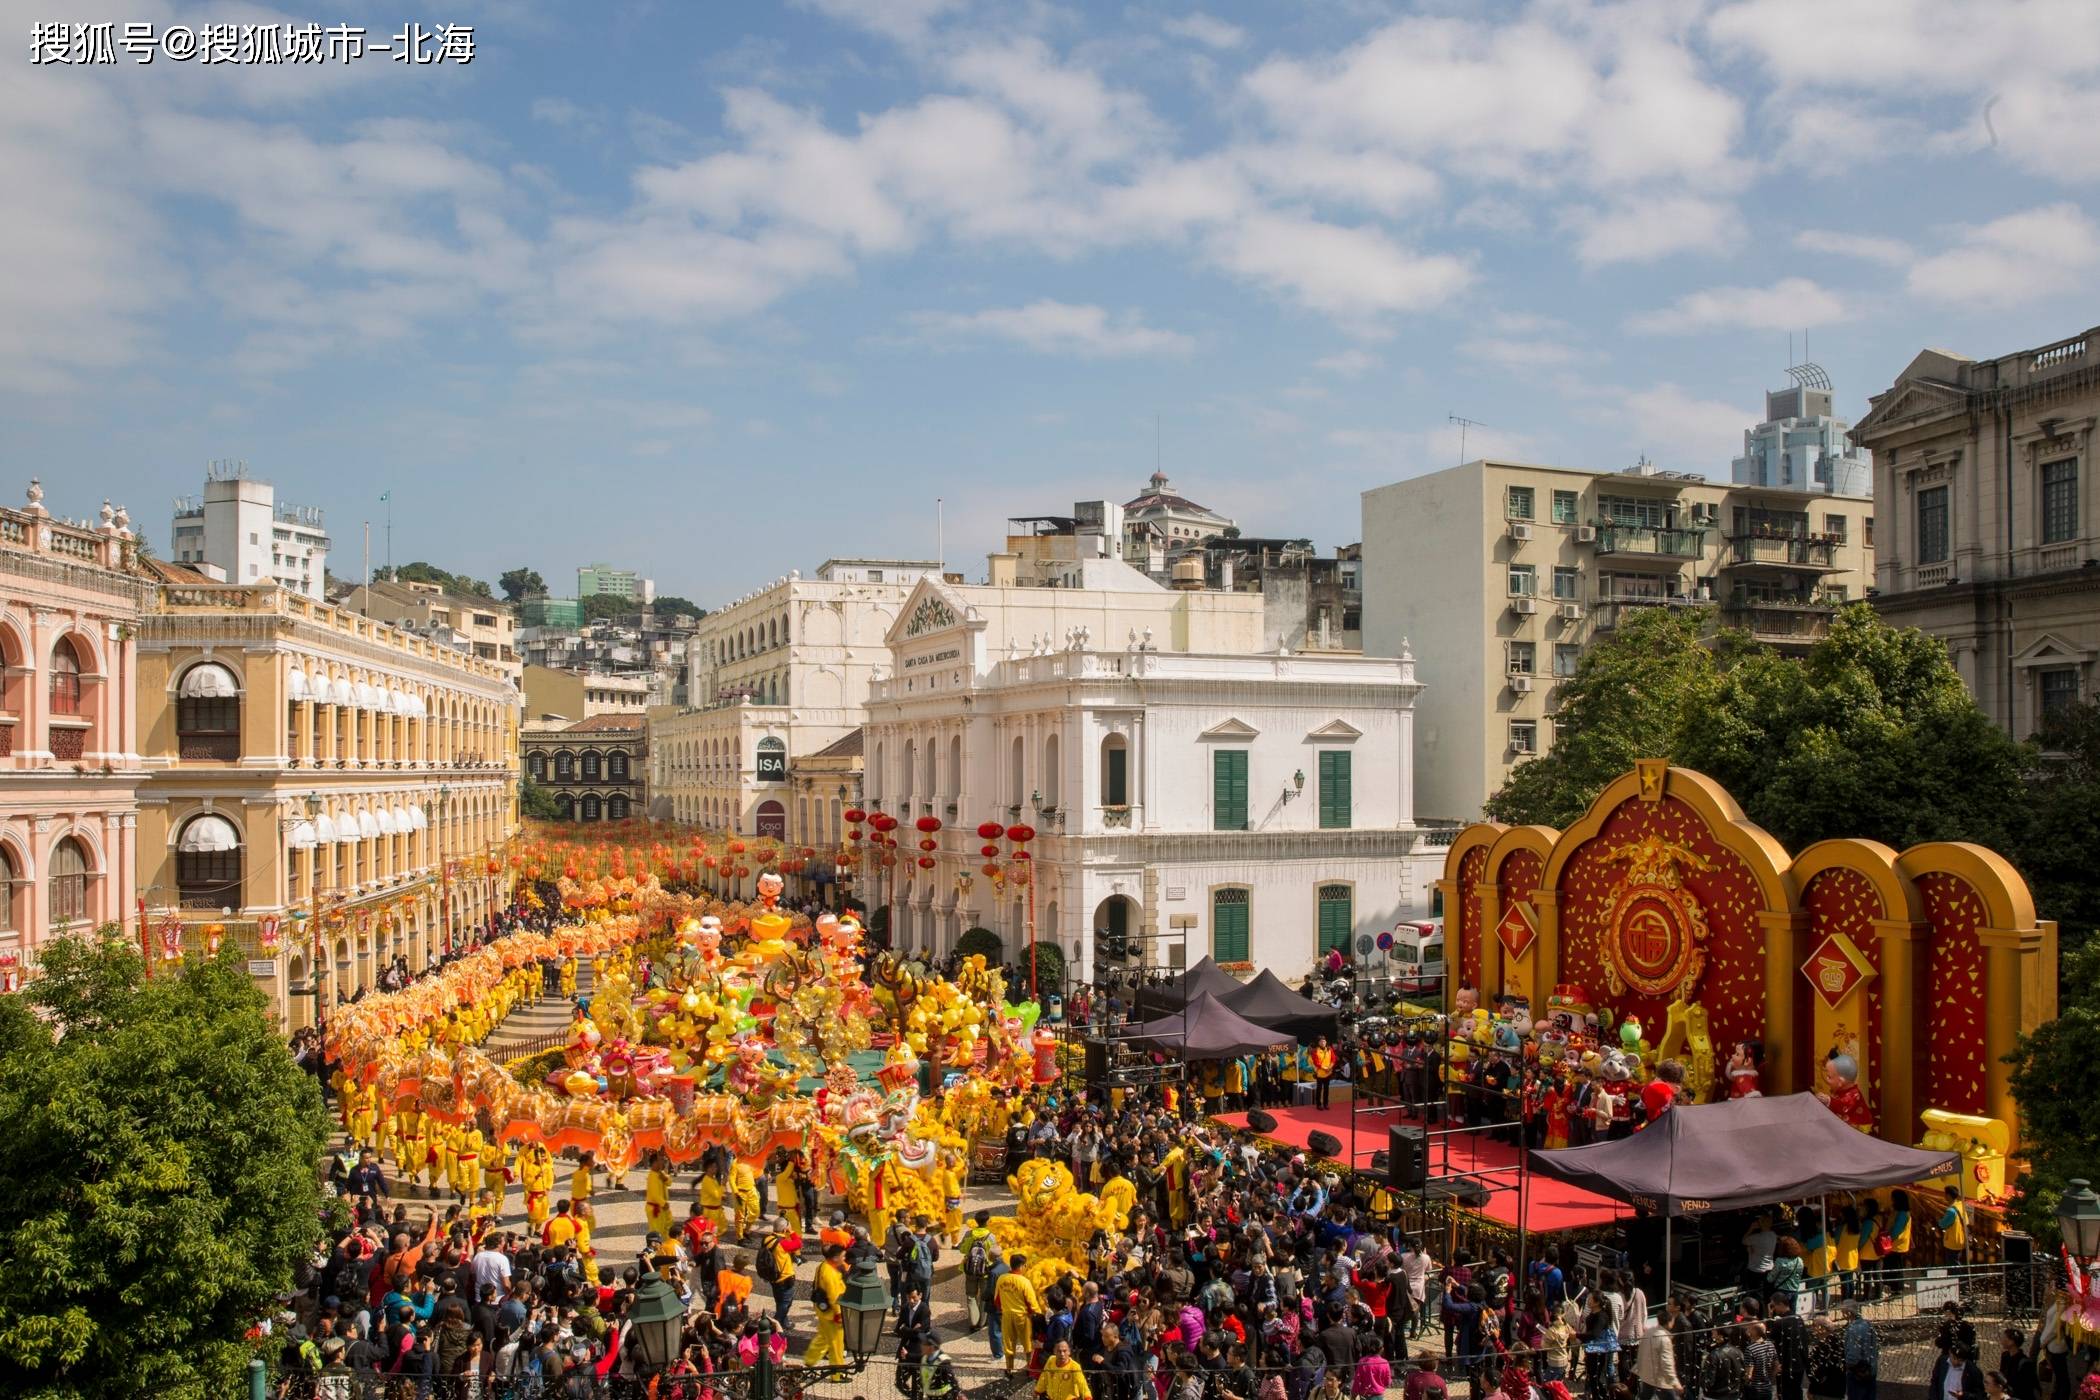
(720,290)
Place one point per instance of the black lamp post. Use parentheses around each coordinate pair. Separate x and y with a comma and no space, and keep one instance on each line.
(2078,1219)
(656,1324)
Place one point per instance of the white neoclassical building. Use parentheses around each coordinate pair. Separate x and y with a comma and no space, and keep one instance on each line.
(1191,794)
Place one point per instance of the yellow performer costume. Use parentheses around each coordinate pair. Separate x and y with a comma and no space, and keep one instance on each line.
(1018,1303)
(711,1199)
(952,1198)
(582,1182)
(830,1341)
(536,1173)
(1175,1167)
(364,1113)
(656,1201)
(743,1184)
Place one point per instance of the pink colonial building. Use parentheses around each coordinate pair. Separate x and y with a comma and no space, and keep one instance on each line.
(70,599)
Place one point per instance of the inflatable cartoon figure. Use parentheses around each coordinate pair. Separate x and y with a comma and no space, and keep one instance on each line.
(1841,1091)
(1745,1065)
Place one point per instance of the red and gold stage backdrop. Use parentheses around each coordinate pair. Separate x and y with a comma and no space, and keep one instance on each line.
(1472,866)
(1844,904)
(1664,892)
(1954,1039)
(1613,926)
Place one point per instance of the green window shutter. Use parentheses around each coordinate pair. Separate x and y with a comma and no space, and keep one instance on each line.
(1337,917)
(1116,790)
(1229,790)
(1228,925)
(1335,806)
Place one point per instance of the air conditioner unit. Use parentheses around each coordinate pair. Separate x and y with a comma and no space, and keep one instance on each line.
(1520,684)
(1585,534)
(1523,607)
(1519,531)
(1571,612)
(1520,746)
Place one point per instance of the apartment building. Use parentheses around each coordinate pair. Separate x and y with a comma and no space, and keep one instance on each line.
(1991,532)
(1499,574)
(482,627)
(236,531)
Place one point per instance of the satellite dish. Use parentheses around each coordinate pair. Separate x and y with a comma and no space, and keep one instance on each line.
(1364,945)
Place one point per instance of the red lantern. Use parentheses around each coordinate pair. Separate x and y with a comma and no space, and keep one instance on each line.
(809,853)
(853,834)
(710,862)
(929,825)
(988,850)
(884,822)
(854,816)
(925,862)
(743,872)
(989,869)
(494,865)
(990,831)
(1023,855)
(736,848)
(927,843)
(1020,833)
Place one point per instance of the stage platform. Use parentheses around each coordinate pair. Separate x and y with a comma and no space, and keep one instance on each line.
(1549,1205)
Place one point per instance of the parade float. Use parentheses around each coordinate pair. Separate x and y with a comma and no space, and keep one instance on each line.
(707,1024)
(1664,926)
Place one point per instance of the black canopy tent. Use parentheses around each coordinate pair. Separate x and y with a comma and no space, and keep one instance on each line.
(1745,1152)
(1208,1030)
(1205,976)
(1266,1001)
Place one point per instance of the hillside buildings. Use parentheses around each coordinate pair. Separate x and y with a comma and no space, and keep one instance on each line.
(236,532)
(481,627)
(1991,535)
(593,579)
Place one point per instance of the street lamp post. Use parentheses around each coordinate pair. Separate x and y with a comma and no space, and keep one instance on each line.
(2078,1220)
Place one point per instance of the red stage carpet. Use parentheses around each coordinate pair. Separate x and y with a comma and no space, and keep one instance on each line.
(1549,1205)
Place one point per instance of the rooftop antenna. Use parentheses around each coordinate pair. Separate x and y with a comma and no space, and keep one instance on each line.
(1463,424)
(1159,455)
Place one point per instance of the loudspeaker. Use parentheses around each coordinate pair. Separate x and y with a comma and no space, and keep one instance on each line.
(1324,1144)
(1096,1061)
(1260,1121)
(1407,1149)
(2017,1248)
(1464,1190)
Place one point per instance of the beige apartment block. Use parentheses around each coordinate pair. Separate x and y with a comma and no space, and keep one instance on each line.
(1992,534)
(1499,575)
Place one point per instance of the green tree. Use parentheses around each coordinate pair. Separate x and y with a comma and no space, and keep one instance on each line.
(1627,700)
(2056,1081)
(600,607)
(422,571)
(536,802)
(157,1174)
(520,584)
(982,941)
(670,605)
(2059,823)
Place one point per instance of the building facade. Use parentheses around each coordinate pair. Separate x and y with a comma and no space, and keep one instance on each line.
(480,626)
(593,579)
(319,786)
(1500,574)
(1991,534)
(69,761)
(774,676)
(236,530)
(1160,522)
(1801,446)
(1191,794)
(596,769)
(555,699)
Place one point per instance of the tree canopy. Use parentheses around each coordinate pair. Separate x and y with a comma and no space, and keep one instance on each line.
(670,604)
(598,607)
(423,572)
(2056,1081)
(536,801)
(520,584)
(158,1182)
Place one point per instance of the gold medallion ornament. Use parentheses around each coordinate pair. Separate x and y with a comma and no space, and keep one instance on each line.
(1654,930)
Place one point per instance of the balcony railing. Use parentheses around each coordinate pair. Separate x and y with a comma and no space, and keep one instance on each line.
(1609,608)
(1616,538)
(209,748)
(1799,551)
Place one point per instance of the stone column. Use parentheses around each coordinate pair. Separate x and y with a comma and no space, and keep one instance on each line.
(1783,930)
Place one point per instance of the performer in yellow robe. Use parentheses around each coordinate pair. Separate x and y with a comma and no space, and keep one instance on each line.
(586,1252)
(743,1186)
(656,1199)
(1175,1167)
(952,1197)
(583,1181)
(710,1195)
(830,1342)
(364,1113)
(536,1175)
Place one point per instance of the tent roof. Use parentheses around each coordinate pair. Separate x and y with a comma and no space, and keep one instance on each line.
(1266,1001)
(1205,976)
(1214,1031)
(1745,1152)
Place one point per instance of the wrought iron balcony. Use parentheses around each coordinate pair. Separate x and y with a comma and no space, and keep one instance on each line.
(1615,537)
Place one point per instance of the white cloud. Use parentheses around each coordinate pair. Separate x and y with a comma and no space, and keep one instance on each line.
(1891,252)
(1056,328)
(1367,179)
(1788,304)
(1518,354)
(1674,427)
(2014,259)
(1356,275)
(1207,30)
(1347,363)
(1642,230)
(903,20)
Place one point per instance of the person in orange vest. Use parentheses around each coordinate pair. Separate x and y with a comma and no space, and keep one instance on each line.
(1324,1061)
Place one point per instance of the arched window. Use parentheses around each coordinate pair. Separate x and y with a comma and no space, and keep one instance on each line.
(11,882)
(538,765)
(591,765)
(208,714)
(565,807)
(910,770)
(208,863)
(69,737)
(616,808)
(69,877)
(955,766)
(589,807)
(876,775)
(616,767)
(564,767)
(1115,771)
(1017,777)
(1051,774)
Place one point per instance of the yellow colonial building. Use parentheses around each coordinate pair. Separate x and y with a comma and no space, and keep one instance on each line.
(320,785)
